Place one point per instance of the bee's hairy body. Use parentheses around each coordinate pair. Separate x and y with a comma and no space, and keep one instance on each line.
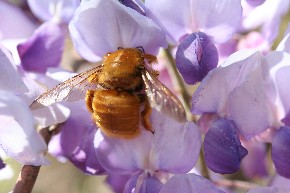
(116,107)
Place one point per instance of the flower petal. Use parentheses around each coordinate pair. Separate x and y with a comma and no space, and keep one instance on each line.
(47,42)
(212,94)
(148,184)
(137,5)
(188,183)
(218,20)
(17,126)
(222,148)
(14,23)
(152,152)
(196,55)
(46,10)
(75,141)
(2,164)
(10,79)
(180,155)
(173,16)
(118,182)
(116,26)
(280,68)
(281,151)
(269,190)
(254,164)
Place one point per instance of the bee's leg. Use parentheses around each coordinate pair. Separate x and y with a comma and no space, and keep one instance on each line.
(89,100)
(145,116)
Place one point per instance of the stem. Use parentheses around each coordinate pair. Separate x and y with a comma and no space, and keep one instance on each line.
(204,170)
(179,83)
(29,173)
(235,184)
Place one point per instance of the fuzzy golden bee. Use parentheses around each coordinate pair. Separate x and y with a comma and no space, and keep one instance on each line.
(119,93)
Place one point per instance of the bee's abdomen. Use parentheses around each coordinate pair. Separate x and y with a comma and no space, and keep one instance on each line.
(116,113)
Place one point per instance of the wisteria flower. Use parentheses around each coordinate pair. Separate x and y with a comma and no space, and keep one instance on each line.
(195,26)
(93,38)
(153,157)
(45,47)
(268,17)
(252,93)
(17,122)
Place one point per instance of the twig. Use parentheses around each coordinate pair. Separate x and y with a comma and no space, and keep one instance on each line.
(29,173)
(235,184)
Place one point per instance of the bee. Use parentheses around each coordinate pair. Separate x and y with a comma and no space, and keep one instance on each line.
(119,93)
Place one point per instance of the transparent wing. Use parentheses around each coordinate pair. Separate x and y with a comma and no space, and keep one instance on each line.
(161,98)
(72,89)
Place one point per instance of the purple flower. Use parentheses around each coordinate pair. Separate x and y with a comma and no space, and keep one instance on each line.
(281,152)
(121,27)
(196,54)
(222,147)
(268,17)
(2,164)
(269,190)
(14,23)
(46,42)
(173,148)
(45,47)
(17,122)
(255,163)
(189,183)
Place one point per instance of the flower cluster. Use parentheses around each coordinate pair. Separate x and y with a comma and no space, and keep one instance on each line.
(216,56)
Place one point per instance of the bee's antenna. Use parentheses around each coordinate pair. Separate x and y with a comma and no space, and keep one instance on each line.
(141,49)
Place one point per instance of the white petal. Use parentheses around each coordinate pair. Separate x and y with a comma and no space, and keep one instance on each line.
(100,27)
(10,79)
(18,137)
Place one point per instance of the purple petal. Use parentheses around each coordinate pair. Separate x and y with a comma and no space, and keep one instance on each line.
(196,55)
(254,164)
(137,5)
(47,116)
(269,16)
(152,152)
(222,147)
(10,79)
(60,10)
(180,155)
(2,164)
(188,183)
(14,23)
(281,151)
(118,182)
(219,20)
(148,184)
(75,141)
(116,26)
(255,3)
(269,190)
(212,94)
(17,125)
(280,69)
(250,105)
(43,49)
(173,16)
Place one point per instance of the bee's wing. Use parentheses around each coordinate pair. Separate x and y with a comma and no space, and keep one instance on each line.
(161,98)
(70,90)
